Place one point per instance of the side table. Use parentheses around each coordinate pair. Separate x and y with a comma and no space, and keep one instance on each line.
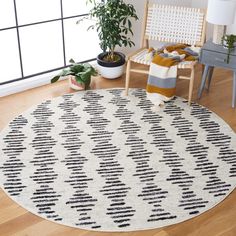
(213,55)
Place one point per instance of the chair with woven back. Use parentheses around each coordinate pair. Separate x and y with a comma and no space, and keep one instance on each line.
(173,24)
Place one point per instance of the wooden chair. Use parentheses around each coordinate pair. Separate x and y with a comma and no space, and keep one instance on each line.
(175,24)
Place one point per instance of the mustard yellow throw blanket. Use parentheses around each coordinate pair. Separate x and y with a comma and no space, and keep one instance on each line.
(161,84)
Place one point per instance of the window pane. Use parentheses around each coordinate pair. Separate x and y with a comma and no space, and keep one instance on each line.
(41,47)
(9,56)
(30,11)
(80,44)
(7,15)
(75,7)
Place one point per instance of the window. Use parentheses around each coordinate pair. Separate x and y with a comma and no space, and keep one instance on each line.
(41,36)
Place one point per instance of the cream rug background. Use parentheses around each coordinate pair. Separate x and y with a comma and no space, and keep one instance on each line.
(98,160)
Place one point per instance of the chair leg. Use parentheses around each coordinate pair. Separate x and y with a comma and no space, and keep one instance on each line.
(127,77)
(191,83)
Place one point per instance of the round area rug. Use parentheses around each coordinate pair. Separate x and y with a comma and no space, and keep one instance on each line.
(98,160)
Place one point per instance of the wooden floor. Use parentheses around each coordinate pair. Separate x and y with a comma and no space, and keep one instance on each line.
(219,221)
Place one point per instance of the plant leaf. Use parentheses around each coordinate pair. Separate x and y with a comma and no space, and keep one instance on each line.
(55,79)
(77,68)
(71,61)
(85,76)
(66,72)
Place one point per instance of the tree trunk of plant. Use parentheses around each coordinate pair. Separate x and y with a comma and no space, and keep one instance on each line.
(112,54)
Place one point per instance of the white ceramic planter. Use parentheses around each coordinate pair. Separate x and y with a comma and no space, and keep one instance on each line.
(110,72)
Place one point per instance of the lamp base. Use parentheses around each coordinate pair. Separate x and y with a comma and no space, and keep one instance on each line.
(218,33)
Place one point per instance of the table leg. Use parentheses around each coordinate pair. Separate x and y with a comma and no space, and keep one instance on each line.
(211,70)
(234,90)
(204,77)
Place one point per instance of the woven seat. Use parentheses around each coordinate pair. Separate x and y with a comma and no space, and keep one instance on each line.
(175,24)
(140,58)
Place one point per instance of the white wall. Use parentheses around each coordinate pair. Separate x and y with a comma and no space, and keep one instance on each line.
(231,29)
(139,6)
(203,4)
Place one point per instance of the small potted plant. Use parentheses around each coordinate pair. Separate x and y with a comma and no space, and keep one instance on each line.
(228,41)
(79,75)
(113,24)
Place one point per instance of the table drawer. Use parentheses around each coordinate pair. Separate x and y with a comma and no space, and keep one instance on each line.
(217,59)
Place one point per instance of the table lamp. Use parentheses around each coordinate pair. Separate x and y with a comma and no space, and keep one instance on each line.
(220,13)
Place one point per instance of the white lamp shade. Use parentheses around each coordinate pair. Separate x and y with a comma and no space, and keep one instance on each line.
(221,12)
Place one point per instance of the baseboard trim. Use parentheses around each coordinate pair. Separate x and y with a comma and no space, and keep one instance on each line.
(23,85)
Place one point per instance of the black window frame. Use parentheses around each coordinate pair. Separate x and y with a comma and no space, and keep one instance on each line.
(17,27)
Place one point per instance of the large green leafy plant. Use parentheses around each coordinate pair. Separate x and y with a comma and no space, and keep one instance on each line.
(81,72)
(113,22)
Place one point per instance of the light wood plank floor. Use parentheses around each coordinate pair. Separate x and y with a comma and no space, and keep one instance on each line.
(219,221)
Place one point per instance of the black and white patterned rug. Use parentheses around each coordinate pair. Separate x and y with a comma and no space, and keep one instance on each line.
(98,160)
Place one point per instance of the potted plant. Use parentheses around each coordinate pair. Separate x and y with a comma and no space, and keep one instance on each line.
(79,75)
(228,41)
(114,27)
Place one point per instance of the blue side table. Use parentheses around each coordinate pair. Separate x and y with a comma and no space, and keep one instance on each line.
(213,55)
